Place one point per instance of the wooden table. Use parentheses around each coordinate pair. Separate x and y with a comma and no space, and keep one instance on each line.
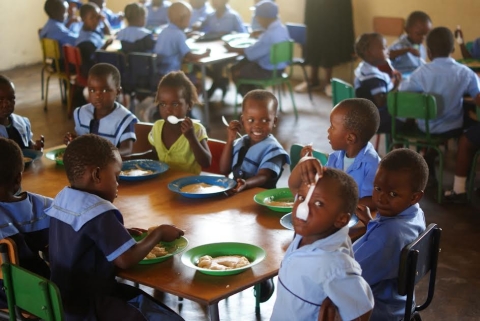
(221,219)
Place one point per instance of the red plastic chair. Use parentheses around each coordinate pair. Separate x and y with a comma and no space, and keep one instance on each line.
(73,63)
(216,148)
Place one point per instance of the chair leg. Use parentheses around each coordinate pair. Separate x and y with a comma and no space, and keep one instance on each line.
(440,177)
(46,93)
(293,99)
(62,90)
(309,88)
(69,95)
(279,98)
(42,78)
(235,104)
(471,177)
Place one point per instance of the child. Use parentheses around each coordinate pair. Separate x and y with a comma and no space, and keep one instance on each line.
(114,20)
(408,52)
(257,158)
(255,26)
(370,82)
(399,185)
(319,262)
(103,115)
(171,47)
(157,13)
(467,53)
(22,216)
(256,64)
(136,37)
(55,27)
(73,21)
(13,126)
(200,10)
(182,146)
(89,39)
(88,240)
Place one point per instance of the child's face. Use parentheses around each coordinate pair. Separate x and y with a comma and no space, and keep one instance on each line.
(91,20)
(324,215)
(392,192)
(106,179)
(72,9)
(171,101)
(377,52)
(102,92)
(258,119)
(7,100)
(337,133)
(417,33)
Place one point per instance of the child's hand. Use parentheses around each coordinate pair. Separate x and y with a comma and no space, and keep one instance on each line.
(39,144)
(233,130)
(241,185)
(169,233)
(306,150)
(414,51)
(135,231)
(68,138)
(363,213)
(459,35)
(309,167)
(396,78)
(187,127)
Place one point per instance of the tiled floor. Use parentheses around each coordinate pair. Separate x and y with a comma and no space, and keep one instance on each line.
(457,293)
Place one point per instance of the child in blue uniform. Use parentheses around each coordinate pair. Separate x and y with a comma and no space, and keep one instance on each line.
(256,64)
(114,20)
(399,185)
(88,240)
(13,126)
(136,37)
(200,10)
(408,52)
(319,262)
(257,158)
(22,216)
(103,115)
(55,27)
(183,146)
(157,13)
(73,21)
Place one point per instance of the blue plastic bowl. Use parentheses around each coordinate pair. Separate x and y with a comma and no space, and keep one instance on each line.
(147,164)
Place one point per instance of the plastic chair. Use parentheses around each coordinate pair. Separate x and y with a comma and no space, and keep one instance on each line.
(416,260)
(11,255)
(51,64)
(295,150)
(73,64)
(142,71)
(117,59)
(298,33)
(341,90)
(142,144)
(216,148)
(280,52)
(417,106)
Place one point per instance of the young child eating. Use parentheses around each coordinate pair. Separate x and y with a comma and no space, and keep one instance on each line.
(135,37)
(88,240)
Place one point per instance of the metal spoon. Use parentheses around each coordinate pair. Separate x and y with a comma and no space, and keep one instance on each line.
(224,120)
(174,120)
(302,209)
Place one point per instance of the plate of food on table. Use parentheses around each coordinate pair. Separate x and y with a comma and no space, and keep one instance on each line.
(56,155)
(276,199)
(141,169)
(202,186)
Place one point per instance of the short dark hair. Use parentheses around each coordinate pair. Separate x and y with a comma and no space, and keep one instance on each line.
(440,42)
(347,188)
(134,11)
(178,79)
(86,8)
(87,150)
(361,117)
(11,162)
(4,80)
(404,159)
(52,8)
(261,95)
(104,69)
(415,17)
(364,41)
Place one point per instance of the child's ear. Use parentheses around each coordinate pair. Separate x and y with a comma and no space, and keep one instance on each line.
(342,220)
(96,175)
(351,138)
(416,197)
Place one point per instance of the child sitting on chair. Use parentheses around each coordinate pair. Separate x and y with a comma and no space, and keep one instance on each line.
(257,158)
(398,187)
(13,126)
(319,262)
(157,13)
(88,241)
(103,115)
(256,64)
(408,52)
(135,37)
(22,216)
(55,27)
(113,20)
(183,145)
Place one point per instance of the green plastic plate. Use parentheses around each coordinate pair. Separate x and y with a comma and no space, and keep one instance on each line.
(277,195)
(173,248)
(56,155)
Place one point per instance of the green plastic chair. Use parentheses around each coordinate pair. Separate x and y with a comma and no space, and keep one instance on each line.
(341,90)
(279,53)
(473,169)
(30,292)
(469,46)
(417,106)
(295,156)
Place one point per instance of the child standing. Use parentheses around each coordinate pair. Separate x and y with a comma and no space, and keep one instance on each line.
(13,126)
(408,53)
(257,158)
(399,185)
(183,146)
(22,216)
(136,37)
(319,262)
(55,27)
(157,13)
(88,240)
(103,115)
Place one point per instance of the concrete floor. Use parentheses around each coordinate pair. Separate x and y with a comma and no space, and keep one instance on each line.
(457,293)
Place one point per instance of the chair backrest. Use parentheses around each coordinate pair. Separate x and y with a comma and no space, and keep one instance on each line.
(141,131)
(297,32)
(216,148)
(389,26)
(341,90)
(73,62)
(281,52)
(416,260)
(295,150)
(51,52)
(142,71)
(117,59)
(11,254)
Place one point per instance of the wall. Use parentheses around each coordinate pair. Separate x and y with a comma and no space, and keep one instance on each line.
(20,20)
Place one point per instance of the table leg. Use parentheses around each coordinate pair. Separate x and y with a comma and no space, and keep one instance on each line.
(206,110)
(213,312)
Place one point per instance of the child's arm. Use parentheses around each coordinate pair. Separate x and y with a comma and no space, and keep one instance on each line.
(68,138)
(106,25)
(233,128)
(400,52)
(190,56)
(240,51)
(199,148)
(368,202)
(304,172)
(260,179)
(136,253)
(37,144)
(125,147)
(107,43)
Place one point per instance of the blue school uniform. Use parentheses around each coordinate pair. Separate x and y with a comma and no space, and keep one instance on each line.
(408,62)
(76,27)
(136,39)
(117,126)
(260,51)
(115,20)
(312,272)
(19,130)
(157,16)
(54,29)
(170,48)
(378,253)
(200,14)
(248,160)
(229,22)
(448,81)
(86,236)
(90,36)
(362,170)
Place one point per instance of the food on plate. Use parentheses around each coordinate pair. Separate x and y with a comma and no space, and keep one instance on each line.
(201,188)
(157,251)
(138,171)
(59,156)
(284,202)
(226,262)
(27,159)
